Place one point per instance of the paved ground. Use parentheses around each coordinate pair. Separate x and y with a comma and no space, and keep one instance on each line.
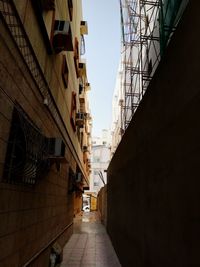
(90,245)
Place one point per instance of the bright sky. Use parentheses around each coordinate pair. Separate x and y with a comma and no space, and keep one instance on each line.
(102,55)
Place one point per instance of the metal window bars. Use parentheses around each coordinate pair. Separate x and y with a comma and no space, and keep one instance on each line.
(27,154)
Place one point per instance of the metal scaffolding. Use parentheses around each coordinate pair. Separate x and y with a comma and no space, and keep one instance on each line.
(146,27)
(139,38)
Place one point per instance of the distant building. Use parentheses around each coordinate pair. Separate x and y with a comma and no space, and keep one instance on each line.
(100,158)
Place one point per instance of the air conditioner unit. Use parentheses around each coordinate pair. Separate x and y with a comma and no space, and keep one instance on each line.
(84,27)
(80,117)
(62,39)
(55,148)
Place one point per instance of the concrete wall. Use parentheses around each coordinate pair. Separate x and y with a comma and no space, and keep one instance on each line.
(153,178)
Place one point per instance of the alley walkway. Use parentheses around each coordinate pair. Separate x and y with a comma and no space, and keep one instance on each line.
(90,245)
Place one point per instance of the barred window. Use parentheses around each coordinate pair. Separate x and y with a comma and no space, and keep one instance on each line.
(25,159)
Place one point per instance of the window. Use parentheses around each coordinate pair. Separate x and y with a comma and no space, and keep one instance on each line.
(25,151)
(65,72)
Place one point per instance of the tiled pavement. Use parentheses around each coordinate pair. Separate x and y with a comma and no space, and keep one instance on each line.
(90,245)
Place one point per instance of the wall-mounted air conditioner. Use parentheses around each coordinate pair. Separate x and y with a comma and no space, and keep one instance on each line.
(83,27)
(55,148)
(62,39)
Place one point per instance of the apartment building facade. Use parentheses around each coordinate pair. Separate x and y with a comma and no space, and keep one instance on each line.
(45,126)
(100,158)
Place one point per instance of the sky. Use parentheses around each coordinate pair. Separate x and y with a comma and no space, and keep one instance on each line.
(102,57)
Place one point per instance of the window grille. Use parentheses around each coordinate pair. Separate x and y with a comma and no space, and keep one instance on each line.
(25,157)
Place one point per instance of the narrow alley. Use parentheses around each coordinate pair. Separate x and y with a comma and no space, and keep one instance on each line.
(99,133)
(90,245)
